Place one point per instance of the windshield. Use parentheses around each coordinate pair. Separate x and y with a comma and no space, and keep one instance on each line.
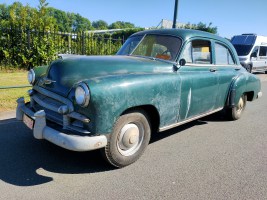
(243,50)
(156,46)
(243,44)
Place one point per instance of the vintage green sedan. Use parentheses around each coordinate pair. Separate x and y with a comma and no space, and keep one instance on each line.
(158,80)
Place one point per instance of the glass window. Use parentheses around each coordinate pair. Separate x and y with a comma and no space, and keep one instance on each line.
(263,51)
(156,46)
(129,45)
(223,55)
(254,53)
(197,52)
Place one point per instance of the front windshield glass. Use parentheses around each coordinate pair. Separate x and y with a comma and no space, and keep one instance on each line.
(156,46)
(243,50)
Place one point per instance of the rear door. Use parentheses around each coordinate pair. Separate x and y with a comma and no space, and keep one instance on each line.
(227,69)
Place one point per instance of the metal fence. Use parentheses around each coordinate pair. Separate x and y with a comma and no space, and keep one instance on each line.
(24,48)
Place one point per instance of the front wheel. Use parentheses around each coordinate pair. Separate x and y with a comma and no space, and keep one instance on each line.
(249,68)
(129,139)
(236,112)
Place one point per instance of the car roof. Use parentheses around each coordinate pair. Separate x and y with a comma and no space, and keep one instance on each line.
(184,34)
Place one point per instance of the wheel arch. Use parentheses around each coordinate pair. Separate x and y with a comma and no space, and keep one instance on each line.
(151,112)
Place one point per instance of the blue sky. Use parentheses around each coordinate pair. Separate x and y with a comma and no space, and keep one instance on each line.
(232,17)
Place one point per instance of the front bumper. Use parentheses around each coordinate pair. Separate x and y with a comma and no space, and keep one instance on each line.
(67,141)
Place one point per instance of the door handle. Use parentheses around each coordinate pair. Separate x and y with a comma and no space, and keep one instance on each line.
(213,69)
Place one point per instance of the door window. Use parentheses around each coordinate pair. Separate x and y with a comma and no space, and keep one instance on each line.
(197,52)
(223,55)
(263,51)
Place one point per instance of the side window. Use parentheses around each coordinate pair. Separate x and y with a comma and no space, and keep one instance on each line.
(263,51)
(198,52)
(254,53)
(223,55)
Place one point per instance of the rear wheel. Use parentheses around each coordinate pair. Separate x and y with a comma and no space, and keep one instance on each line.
(129,139)
(236,112)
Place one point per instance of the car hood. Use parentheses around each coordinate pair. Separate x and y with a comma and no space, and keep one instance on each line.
(64,73)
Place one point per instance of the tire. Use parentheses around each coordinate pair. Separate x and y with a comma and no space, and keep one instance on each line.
(129,139)
(249,68)
(236,112)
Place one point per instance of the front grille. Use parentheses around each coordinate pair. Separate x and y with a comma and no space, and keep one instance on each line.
(42,99)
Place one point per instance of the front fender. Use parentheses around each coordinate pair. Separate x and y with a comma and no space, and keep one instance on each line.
(111,96)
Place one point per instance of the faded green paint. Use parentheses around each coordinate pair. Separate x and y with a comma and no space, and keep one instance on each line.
(118,83)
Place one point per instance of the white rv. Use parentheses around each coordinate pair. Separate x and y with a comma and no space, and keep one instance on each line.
(252,51)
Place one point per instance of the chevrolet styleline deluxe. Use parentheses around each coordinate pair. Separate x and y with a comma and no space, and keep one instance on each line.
(158,80)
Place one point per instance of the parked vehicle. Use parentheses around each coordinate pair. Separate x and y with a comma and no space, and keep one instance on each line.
(252,51)
(158,80)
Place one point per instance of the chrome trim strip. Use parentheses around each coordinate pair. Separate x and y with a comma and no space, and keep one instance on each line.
(45,105)
(188,120)
(55,96)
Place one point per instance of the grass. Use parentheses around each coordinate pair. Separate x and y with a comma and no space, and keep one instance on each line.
(8,97)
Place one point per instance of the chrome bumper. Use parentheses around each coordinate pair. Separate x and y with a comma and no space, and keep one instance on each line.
(42,131)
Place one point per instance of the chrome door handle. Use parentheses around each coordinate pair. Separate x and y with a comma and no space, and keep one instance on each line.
(213,69)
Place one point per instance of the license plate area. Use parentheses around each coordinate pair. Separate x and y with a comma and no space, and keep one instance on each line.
(29,122)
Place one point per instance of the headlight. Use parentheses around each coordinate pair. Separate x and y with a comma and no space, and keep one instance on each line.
(82,95)
(31,76)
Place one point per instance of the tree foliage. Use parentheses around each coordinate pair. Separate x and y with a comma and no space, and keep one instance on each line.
(100,25)
(202,27)
(121,25)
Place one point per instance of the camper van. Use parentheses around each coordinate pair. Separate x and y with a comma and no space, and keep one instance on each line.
(252,51)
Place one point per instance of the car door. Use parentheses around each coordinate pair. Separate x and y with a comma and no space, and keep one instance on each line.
(227,69)
(199,81)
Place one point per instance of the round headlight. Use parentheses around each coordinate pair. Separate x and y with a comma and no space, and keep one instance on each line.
(31,76)
(82,95)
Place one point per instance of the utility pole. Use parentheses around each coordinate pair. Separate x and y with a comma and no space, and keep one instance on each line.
(175,14)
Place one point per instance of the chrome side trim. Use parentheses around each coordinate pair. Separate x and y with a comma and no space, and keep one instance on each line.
(188,120)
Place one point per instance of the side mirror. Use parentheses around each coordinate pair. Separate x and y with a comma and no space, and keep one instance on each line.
(182,62)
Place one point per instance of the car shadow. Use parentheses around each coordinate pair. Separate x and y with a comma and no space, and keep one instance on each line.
(22,157)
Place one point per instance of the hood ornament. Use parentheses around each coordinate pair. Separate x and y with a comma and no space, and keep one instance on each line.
(47,81)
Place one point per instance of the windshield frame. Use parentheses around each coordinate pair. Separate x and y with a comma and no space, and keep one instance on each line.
(177,46)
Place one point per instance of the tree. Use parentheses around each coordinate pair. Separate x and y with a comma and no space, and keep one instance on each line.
(121,25)
(63,21)
(202,27)
(80,23)
(100,25)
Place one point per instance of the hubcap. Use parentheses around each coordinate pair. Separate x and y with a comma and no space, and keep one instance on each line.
(130,139)
(240,105)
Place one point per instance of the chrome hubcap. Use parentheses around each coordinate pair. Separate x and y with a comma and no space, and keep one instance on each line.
(240,105)
(130,139)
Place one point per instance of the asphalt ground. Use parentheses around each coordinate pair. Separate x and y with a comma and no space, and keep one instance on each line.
(210,158)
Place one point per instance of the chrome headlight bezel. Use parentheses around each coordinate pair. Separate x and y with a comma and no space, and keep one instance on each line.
(82,95)
(31,76)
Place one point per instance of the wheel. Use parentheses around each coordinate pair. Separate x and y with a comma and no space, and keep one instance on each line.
(236,112)
(129,139)
(265,72)
(249,68)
